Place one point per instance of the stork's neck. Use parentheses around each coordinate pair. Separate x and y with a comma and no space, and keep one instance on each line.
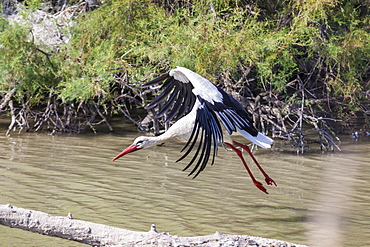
(154,140)
(180,130)
(161,138)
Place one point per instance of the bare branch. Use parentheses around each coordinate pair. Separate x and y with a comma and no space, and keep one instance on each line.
(103,235)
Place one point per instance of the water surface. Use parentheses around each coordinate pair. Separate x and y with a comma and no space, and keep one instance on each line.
(322,199)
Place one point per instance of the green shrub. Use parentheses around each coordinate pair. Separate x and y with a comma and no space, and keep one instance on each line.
(24,66)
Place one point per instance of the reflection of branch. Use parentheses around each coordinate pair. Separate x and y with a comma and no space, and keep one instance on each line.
(103,235)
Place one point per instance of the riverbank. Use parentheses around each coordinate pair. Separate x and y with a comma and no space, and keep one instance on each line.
(73,66)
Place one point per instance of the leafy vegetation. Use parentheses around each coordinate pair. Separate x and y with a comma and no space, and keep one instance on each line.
(288,61)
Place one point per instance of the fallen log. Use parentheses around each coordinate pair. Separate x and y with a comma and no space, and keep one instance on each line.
(103,235)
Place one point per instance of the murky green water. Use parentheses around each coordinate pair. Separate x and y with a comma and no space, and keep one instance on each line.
(321,199)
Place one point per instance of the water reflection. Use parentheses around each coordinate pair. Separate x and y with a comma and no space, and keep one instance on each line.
(320,197)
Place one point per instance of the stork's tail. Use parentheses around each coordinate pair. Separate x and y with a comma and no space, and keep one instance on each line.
(260,140)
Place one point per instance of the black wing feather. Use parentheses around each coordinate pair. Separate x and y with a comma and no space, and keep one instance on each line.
(204,143)
(176,107)
(187,102)
(200,147)
(165,108)
(178,98)
(206,152)
(156,80)
(159,99)
(211,136)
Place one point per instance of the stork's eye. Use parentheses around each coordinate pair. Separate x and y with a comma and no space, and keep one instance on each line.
(139,142)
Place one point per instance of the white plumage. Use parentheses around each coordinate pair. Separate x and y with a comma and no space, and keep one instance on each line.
(205,117)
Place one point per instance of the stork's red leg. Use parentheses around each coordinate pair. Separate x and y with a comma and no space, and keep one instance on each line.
(239,153)
(268,180)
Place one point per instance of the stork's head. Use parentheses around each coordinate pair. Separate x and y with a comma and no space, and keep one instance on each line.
(139,143)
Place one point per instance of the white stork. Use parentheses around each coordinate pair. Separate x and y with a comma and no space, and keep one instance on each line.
(203,113)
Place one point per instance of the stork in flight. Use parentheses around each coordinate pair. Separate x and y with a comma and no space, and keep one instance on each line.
(205,115)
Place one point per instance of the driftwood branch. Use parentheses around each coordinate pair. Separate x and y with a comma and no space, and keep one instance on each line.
(102,235)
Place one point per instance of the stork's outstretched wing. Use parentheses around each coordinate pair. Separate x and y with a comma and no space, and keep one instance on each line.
(183,90)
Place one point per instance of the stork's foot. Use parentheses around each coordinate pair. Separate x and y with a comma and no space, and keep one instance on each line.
(260,186)
(270,181)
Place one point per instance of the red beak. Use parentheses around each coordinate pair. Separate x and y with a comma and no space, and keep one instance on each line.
(129,149)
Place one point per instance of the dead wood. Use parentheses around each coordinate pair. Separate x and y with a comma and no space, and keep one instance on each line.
(102,235)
